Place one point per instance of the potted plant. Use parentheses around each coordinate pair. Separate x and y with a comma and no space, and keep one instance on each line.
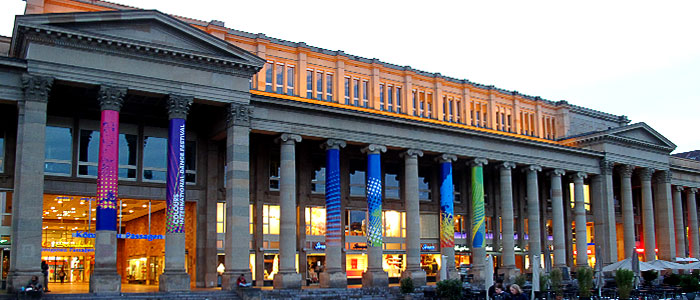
(449,289)
(520,280)
(649,276)
(624,280)
(689,285)
(544,286)
(406,287)
(555,279)
(585,282)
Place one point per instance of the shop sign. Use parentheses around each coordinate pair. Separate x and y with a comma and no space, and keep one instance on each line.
(461,248)
(428,247)
(319,246)
(128,235)
(358,246)
(82,250)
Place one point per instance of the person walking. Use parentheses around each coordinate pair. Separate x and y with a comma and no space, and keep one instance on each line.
(45,272)
(62,275)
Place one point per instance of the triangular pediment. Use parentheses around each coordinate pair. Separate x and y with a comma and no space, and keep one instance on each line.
(143,27)
(642,133)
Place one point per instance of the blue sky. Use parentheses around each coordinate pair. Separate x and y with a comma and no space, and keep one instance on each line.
(635,58)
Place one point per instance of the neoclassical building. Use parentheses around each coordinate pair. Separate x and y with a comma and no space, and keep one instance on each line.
(142,148)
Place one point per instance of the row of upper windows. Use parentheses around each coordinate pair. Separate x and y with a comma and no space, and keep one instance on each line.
(280,78)
(152,151)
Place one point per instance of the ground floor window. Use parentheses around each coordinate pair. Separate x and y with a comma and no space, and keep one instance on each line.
(430,263)
(394,264)
(355,265)
(315,264)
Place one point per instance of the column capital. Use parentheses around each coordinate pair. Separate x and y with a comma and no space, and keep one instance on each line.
(111,97)
(446,158)
(535,168)
(663,176)
(478,162)
(239,114)
(626,170)
(693,190)
(506,165)
(333,144)
(412,153)
(679,188)
(578,175)
(646,173)
(606,167)
(288,138)
(36,88)
(178,106)
(557,172)
(374,149)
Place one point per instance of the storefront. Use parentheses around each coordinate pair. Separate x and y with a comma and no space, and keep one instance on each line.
(68,237)
(430,259)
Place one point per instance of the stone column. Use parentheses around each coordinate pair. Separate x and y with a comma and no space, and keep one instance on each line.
(209,261)
(288,277)
(580,220)
(478,222)
(666,239)
(627,209)
(678,221)
(509,270)
(694,244)
(174,277)
(105,278)
(237,247)
(410,190)
(558,220)
(334,275)
(648,214)
(447,226)
(533,212)
(28,202)
(602,199)
(375,275)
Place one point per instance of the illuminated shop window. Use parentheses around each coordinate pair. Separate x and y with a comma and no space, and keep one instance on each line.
(355,265)
(271,219)
(274,171)
(460,226)
(429,226)
(356,222)
(318,182)
(394,264)
(315,220)
(394,223)
(59,150)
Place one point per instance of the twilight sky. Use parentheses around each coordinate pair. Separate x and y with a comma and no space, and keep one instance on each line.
(635,58)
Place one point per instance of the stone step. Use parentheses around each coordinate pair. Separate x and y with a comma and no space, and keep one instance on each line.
(208,295)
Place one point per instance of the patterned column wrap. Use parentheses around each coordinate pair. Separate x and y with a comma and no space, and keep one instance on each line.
(333,197)
(107,173)
(175,192)
(374,200)
(478,213)
(447,228)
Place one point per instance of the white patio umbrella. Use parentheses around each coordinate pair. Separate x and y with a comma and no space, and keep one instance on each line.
(599,282)
(691,266)
(636,269)
(667,265)
(627,264)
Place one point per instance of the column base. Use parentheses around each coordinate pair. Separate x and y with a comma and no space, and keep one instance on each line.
(105,282)
(211,280)
(418,277)
(333,279)
(229,278)
(174,281)
(509,274)
(17,279)
(479,279)
(375,278)
(287,280)
(451,274)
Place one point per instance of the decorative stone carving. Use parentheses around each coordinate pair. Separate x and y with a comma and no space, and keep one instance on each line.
(239,114)
(626,170)
(36,88)
(333,144)
(693,190)
(679,188)
(662,176)
(111,97)
(557,172)
(507,165)
(606,167)
(374,149)
(444,158)
(289,138)
(578,175)
(478,162)
(179,106)
(535,168)
(645,174)
(414,153)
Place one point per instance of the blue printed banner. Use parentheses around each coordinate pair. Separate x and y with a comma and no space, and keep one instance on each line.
(478,215)
(333,197)
(175,193)
(374,200)
(447,227)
